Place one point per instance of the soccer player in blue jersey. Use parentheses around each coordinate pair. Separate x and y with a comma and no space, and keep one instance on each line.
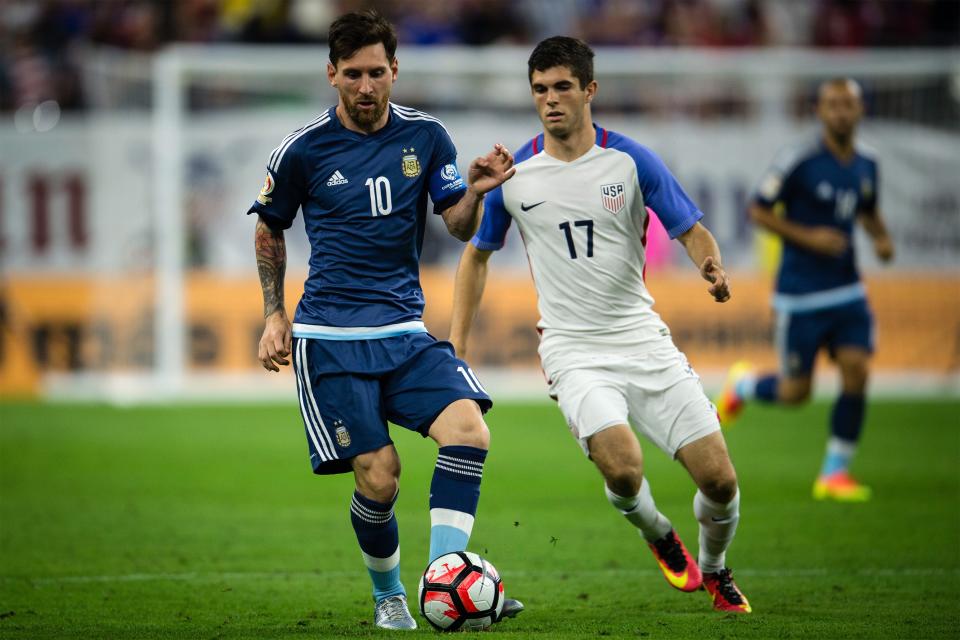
(362,172)
(824,186)
(580,200)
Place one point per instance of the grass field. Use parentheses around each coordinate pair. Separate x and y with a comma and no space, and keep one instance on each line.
(205,522)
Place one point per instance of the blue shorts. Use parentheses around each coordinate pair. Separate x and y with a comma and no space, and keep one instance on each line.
(349,389)
(800,335)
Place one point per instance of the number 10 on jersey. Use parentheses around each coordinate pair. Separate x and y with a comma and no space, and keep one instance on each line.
(381,200)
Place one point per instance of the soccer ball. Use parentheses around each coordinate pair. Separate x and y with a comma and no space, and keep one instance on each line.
(460,591)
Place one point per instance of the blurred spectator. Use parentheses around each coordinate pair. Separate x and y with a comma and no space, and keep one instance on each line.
(41,40)
(481,22)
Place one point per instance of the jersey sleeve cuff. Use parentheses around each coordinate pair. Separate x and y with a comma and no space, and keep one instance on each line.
(274,222)
(685,226)
(484,245)
(449,201)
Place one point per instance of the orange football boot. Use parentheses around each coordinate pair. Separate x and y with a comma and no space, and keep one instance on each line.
(840,486)
(724,592)
(675,561)
(730,404)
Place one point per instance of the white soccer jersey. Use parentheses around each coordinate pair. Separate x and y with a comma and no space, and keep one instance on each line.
(584,224)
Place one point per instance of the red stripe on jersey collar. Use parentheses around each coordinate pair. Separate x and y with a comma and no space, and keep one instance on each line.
(601,140)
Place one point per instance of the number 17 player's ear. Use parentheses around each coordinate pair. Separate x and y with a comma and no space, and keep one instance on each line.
(591,90)
(331,74)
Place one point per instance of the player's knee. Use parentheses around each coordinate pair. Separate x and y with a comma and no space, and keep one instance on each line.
(474,433)
(624,480)
(855,378)
(381,483)
(461,424)
(721,488)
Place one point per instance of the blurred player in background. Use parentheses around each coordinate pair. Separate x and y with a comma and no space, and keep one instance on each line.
(362,172)
(578,198)
(825,186)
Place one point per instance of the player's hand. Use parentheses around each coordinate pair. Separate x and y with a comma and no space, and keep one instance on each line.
(884,248)
(490,171)
(712,272)
(276,341)
(828,241)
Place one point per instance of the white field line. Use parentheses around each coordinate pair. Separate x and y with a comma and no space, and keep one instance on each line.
(266,575)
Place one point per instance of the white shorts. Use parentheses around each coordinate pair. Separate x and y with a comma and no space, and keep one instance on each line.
(658,393)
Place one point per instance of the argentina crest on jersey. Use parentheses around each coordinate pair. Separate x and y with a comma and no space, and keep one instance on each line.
(613,197)
(410,164)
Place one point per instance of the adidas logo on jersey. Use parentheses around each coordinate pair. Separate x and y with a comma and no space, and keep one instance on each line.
(336,178)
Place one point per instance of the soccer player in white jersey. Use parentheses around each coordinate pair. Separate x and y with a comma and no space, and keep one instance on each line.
(579,198)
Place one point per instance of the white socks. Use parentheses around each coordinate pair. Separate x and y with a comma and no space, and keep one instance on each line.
(641,511)
(718,523)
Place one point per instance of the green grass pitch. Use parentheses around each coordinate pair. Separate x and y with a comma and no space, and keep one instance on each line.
(205,522)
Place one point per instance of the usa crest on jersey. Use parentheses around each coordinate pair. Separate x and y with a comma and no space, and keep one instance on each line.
(613,197)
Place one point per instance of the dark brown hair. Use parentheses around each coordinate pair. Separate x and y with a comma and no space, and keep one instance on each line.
(563,51)
(351,32)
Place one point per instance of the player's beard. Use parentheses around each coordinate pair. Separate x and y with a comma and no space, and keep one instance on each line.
(367,119)
(842,135)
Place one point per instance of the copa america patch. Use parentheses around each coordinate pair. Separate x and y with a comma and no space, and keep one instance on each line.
(613,197)
(449,172)
(266,190)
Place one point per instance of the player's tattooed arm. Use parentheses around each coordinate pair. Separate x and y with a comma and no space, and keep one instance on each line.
(485,174)
(276,341)
(271,264)
(702,248)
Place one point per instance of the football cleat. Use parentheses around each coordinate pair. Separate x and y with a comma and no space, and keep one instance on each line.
(724,592)
(392,613)
(730,403)
(676,563)
(511,607)
(840,486)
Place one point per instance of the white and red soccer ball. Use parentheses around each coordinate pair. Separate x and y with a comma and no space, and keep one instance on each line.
(460,591)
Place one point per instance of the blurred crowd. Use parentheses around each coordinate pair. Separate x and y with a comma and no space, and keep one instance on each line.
(41,40)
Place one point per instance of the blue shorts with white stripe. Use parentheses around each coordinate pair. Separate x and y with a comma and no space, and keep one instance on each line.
(349,389)
(799,336)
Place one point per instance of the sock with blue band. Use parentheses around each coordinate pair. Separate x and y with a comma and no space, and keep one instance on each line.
(379,538)
(846,423)
(454,495)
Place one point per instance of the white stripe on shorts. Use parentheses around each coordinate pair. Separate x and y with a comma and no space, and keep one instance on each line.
(312,402)
(307,420)
(781,330)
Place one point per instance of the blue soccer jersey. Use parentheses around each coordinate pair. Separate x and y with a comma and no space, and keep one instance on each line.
(364,203)
(817,189)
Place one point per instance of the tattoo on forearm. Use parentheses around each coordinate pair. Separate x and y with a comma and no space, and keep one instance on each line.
(271,264)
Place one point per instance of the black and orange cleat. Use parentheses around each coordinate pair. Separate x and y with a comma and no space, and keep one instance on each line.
(675,561)
(724,592)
